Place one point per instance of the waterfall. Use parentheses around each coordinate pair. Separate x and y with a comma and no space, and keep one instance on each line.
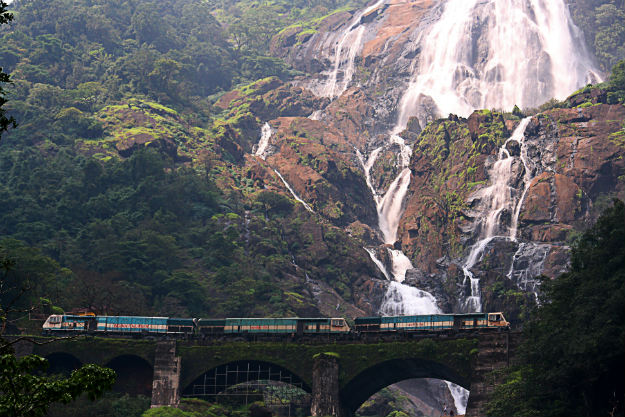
(496,199)
(316,115)
(495,54)
(390,205)
(404,300)
(461,397)
(377,262)
(292,191)
(263,143)
(527,263)
(400,299)
(346,51)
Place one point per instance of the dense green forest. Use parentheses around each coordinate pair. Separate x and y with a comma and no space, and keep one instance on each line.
(151,230)
(572,359)
(146,234)
(139,239)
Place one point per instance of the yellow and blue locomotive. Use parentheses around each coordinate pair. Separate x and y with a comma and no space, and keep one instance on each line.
(431,322)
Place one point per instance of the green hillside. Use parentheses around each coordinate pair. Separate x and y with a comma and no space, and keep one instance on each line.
(129,180)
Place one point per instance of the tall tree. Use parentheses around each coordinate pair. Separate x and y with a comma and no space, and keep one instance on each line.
(5,122)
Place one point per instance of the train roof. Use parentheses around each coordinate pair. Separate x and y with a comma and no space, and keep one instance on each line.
(430,315)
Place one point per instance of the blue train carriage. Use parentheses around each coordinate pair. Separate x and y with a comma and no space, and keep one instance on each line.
(132,325)
(260,325)
(336,325)
(209,327)
(297,326)
(69,323)
(431,322)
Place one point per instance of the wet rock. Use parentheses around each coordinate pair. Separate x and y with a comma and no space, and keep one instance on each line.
(432,284)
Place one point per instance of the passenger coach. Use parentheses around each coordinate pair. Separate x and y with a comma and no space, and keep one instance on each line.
(433,322)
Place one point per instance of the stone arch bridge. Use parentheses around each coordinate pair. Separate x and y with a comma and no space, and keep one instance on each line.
(340,375)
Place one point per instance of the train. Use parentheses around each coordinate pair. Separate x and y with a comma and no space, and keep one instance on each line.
(206,328)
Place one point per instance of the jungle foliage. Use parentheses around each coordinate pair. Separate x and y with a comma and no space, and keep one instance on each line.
(138,239)
(28,393)
(572,357)
(5,121)
(147,234)
(603,24)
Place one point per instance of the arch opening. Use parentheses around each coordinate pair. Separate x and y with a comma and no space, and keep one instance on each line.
(397,372)
(134,375)
(244,382)
(416,397)
(62,363)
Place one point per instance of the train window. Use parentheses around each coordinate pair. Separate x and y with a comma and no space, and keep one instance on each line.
(55,319)
(494,317)
(337,322)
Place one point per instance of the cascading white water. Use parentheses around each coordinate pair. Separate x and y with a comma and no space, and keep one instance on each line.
(404,300)
(377,262)
(527,264)
(400,264)
(261,151)
(400,299)
(316,115)
(390,206)
(293,193)
(495,54)
(496,199)
(461,397)
(263,143)
(345,54)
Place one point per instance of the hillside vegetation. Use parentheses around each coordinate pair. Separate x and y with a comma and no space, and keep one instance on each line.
(127,179)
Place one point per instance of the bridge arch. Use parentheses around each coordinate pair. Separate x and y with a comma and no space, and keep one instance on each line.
(373,379)
(134,375)
(62,363)
(216,380)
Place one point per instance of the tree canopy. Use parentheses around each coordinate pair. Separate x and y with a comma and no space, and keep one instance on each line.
(573,355)
(5,121)
(26,393)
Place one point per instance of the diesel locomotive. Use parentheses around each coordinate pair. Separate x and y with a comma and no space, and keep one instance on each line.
(198,327)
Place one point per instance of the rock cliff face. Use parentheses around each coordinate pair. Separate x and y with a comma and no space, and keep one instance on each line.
(576,159)
(327,141)
(483,203)
(340,143)
(370,65)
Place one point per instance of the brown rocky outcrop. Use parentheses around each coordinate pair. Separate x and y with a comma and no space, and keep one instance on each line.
(576,155)
(317,162)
